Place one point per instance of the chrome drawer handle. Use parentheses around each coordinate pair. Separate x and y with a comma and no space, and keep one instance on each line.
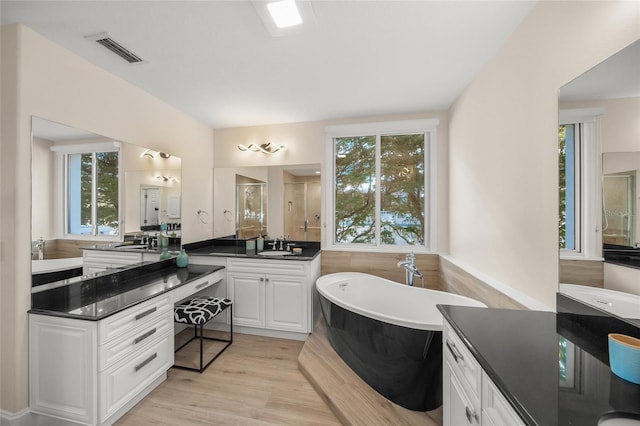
(144,336)
(471,415)
(202,284)
(146,361)
(454,351)
(145,313)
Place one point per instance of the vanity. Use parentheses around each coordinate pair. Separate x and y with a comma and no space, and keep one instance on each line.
(511,367)
(99,345)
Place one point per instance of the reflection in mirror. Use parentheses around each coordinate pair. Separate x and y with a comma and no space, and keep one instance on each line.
(620,198)
(599,165)
(62,225)
(292,200)
(251,205)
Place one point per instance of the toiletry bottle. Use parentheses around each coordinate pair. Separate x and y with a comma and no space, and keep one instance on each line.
(165,254)
(260,244)
(183,259)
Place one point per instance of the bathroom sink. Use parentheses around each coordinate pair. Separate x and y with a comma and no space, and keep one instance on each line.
(274,253)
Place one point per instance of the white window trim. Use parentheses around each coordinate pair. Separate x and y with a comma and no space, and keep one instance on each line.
(62,151)
(590,245)
(426,126)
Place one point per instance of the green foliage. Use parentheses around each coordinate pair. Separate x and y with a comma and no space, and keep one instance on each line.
(106,189)
(401,182)
(562,184)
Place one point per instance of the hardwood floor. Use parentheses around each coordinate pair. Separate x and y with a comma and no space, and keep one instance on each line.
(256,381)
(353,401)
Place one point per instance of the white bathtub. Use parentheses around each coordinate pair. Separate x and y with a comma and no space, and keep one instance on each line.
(388,301)
(624,305)
(54,265)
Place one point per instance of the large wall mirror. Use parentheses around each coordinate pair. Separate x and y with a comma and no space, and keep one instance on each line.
(599,192)
(271,200)
(87,188)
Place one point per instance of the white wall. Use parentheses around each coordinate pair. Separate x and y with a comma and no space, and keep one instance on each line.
(39,78)
(305,144)
(503,143)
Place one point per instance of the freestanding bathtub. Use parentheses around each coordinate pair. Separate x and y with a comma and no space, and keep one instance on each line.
(390,334)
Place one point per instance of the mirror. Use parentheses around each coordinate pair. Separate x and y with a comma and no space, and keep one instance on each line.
(146,187)
(289,198)
(610,95)
(251,207)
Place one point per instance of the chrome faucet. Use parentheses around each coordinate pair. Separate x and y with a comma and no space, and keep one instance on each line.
(40,247)
(411,271)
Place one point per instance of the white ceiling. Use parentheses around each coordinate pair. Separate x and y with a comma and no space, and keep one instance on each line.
(215,60)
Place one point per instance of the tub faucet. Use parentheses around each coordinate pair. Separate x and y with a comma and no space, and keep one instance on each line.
(411,271)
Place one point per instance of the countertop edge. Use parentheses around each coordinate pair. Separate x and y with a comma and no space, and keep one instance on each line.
(493,375)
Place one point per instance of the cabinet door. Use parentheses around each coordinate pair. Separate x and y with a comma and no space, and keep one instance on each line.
(286,303)
(458,410)
(246,291)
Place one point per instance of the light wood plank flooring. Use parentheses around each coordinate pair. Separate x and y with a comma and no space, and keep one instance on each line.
(351,399)
(256,381)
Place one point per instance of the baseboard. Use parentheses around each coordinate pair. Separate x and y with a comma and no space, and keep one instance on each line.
(8,418)
(290,335)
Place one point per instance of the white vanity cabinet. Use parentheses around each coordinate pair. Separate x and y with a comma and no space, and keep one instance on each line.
(469,395)
(89,371)
(272,294)
(101,260)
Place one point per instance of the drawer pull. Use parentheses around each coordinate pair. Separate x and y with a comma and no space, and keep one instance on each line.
(145,313)
(202,285)
(454,351)
(144,336)
(145,362)
(471,415)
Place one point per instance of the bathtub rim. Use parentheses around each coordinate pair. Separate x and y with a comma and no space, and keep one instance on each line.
(325,280)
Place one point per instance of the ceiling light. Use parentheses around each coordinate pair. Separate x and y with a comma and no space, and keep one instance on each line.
(283,17)
(284,13)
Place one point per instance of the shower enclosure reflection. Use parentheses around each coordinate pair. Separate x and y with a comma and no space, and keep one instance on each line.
(251,205)
(302,210)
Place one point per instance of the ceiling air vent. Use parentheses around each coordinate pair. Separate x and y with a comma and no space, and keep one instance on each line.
(103,39)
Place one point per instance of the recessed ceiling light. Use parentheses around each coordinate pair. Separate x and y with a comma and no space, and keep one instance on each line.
(284,17)
(284,13)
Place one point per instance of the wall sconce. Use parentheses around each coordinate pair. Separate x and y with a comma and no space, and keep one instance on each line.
(153,154)
(167,178)
(265,148)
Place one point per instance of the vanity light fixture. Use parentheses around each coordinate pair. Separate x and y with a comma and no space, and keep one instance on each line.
(153,154)
(166,178)
(265,148)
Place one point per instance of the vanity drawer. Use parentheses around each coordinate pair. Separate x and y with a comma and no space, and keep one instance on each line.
(462,362)
(135,339)
(193,287)
(125,321)
(120,383)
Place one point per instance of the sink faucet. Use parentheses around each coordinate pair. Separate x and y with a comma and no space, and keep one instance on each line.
(411,271)
(40,247)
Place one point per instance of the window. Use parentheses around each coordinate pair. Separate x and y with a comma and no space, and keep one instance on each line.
(382,184)
(569,185)
(577,159)
(91,190)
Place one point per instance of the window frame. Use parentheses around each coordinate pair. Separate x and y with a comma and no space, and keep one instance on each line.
(587,229)
(64,151)
(378,129)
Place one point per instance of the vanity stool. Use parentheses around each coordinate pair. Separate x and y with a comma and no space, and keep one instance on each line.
(197,312)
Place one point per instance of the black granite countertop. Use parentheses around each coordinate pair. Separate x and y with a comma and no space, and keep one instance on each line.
(553,368)
(622,255)
(105,294)
(230,247)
